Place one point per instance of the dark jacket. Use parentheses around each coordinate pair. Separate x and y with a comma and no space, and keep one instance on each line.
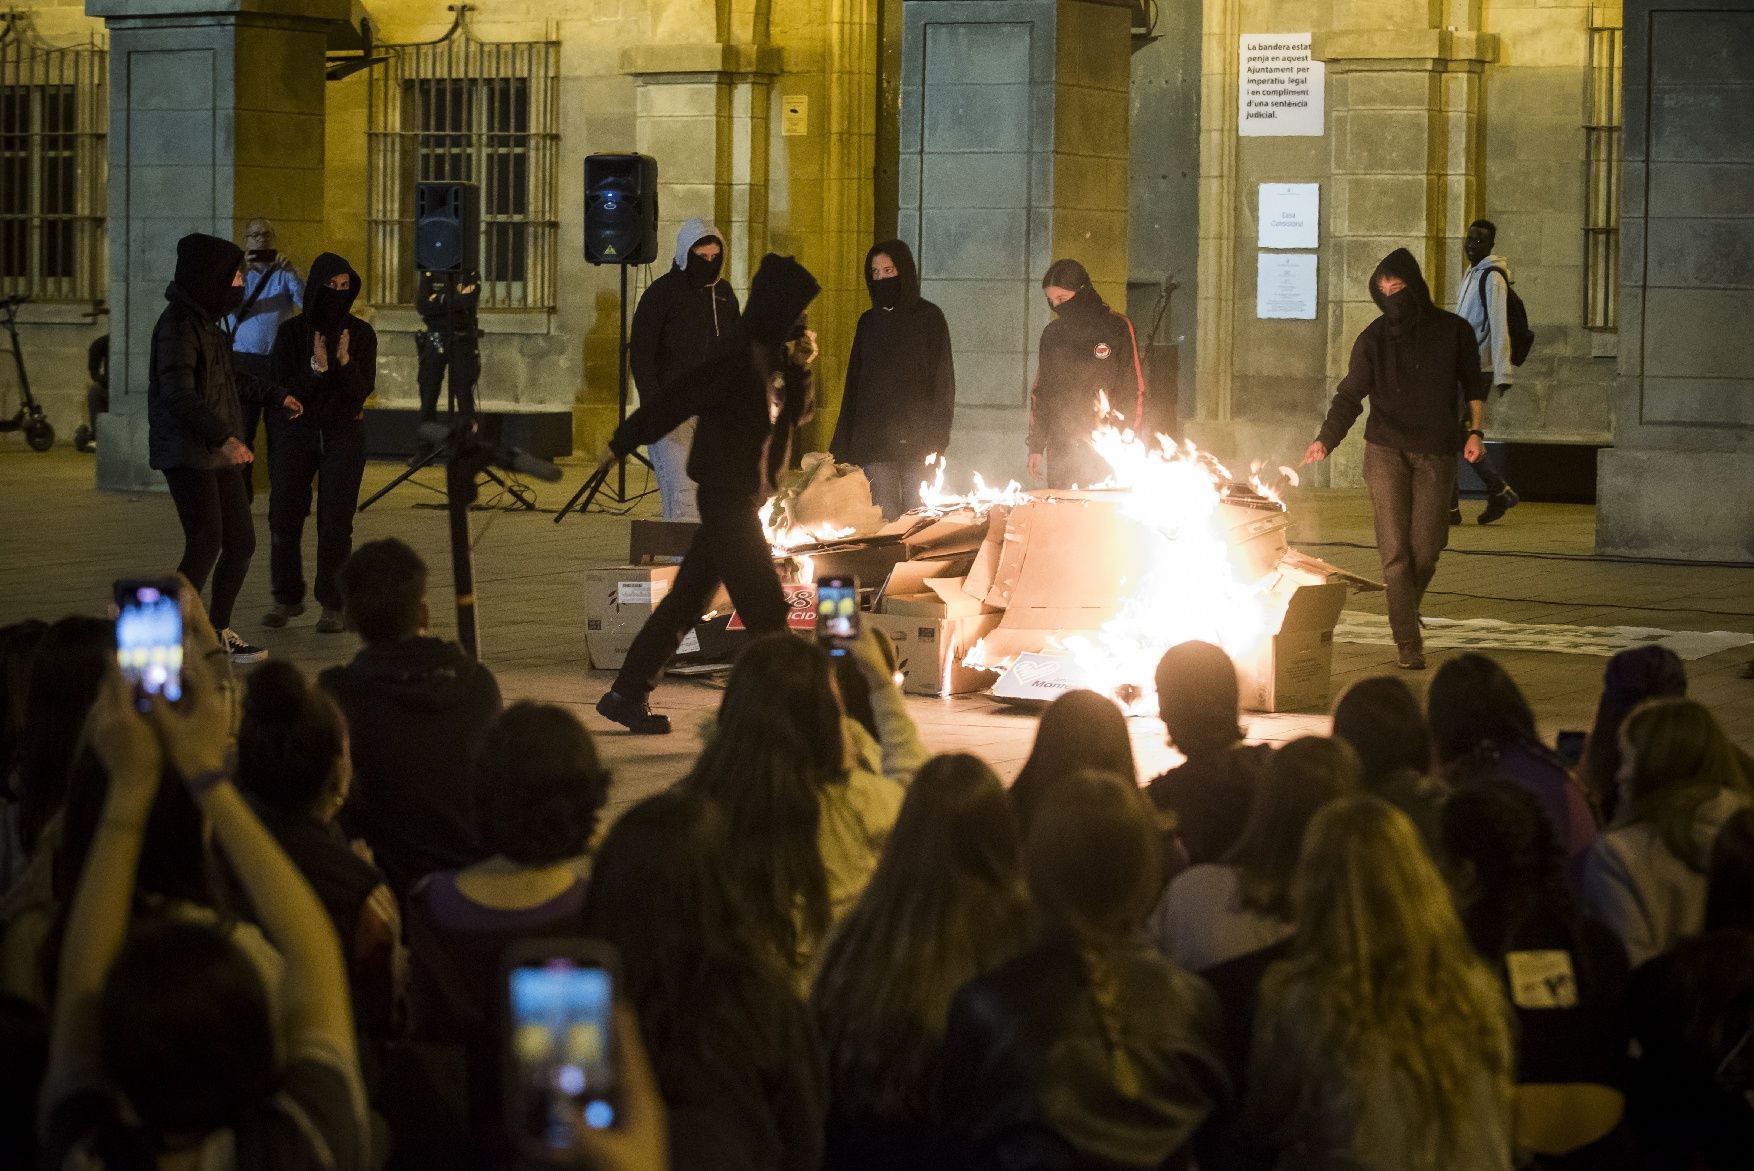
(1086,351)
(1416,363)
(416,710)
(680,322)
(340,394)
(747,410)
(442,306)
(1028,1079)
(901,379)
(1209,796)
(192,398)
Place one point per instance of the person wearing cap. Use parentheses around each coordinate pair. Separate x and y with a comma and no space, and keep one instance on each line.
(682,317)
(749,397)
(195,425)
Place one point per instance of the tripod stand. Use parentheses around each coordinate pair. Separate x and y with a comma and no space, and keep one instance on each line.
(589,491)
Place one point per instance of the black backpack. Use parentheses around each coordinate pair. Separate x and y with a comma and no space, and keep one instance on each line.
(1522,338)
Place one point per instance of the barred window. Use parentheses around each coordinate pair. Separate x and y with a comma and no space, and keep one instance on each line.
(463,110)
(53,116)
(1602,209)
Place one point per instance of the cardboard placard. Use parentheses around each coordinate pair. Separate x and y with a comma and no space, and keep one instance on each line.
(800,607)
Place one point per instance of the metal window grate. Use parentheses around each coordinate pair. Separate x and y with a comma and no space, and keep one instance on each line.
(462,109)
(54,114)
(1602,186)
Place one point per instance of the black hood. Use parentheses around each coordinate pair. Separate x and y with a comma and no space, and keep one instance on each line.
(1400,263)
(907,274)
(422,671)
(780,293)
(328,308)
(1070,274)
(205,268)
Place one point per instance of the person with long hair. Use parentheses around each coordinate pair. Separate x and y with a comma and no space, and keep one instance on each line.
(1382,1041)
(1089,1049)
(809,795)
(1482,727)
(737,1058)
(18,648)
(1079,730)
(1631,677)
(1380,718)
(64,679)
(946,904)
(1680,781)
(1565,974)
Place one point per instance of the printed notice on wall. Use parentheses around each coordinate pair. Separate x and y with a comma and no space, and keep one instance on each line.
(1281,90)
(794,115)
(1285,285)
(1288,214)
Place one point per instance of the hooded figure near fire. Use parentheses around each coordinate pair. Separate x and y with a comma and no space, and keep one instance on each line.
(1416,363)
(749,397)
(1088,357)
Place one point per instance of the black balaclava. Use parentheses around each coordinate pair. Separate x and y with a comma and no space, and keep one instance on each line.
(701,271)
(1069,274)
(901,290)
(779,294)
(327,308)
(206,266)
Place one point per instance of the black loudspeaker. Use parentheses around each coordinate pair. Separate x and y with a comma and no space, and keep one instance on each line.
(621,209)
(447,227)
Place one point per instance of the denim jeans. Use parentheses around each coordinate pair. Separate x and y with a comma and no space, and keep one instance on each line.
(1409,499)
(670,465)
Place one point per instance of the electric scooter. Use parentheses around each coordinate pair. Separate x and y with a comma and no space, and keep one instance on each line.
(29,416)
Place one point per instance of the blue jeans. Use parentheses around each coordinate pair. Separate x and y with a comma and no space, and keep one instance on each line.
(1409,500)
(670,465)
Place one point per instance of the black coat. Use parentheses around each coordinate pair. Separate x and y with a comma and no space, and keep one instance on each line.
(339,394)
(678,325)
(901,380)
(192,398)
(1416,372)
(1086,351)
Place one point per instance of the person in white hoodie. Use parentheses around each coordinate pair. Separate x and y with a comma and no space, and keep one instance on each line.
(680,321)
(1484,302)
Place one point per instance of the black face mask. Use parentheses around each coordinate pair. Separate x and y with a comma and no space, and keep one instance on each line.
(1400,307)
(702,271)
(327,308)
(886,292)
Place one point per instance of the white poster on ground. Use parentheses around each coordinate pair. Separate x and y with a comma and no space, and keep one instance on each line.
(1288,214)
(1280,91)
(1285,285)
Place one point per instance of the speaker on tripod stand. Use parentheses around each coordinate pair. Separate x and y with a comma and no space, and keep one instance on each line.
(621,228)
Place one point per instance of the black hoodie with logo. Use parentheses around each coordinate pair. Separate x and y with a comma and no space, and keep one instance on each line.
(1416,363)
(339,394)
(683,317)
(1088,350)
(901,380)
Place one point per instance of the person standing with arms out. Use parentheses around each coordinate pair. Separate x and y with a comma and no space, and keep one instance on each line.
(272,293)
(901,382)
(450,341)
(1087,351)
(330,358)
(1416,363)
(195,425)
(681,320)
(1484,303)
(749,398)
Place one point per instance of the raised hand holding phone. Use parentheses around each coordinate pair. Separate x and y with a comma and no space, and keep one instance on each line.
(149,637)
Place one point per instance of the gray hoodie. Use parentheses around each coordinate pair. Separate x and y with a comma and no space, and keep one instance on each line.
(1483,301)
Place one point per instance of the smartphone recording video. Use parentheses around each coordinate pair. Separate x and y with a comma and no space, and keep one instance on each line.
(837,614)
(149,638)
(561,1066)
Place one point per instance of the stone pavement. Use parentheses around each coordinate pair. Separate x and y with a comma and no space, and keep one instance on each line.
(62,543)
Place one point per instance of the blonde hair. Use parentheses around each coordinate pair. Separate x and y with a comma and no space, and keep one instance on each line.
(1680,759)
(1383,963)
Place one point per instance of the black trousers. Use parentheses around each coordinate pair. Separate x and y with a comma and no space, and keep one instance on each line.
(333,455)
(219,535)
(460,354)
(1488,474)
(1407,494)
(728,547)
(1075,462)
(249,407)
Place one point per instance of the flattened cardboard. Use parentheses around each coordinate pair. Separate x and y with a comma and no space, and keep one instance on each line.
(930,651)
(1039,677)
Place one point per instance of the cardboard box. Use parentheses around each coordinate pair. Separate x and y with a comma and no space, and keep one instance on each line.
(930,651)
(618,600)
(650,541)
(1294,669)
(931,589)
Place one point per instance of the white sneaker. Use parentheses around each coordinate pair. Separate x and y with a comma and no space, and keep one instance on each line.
(239,650)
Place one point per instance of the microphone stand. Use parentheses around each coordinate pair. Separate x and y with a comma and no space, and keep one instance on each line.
(588,491)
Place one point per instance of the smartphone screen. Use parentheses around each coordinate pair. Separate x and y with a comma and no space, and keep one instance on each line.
(149,637)
(1570,747)
(837,614)
(562,1051)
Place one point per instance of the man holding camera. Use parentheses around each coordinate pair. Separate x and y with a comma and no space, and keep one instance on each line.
(272,293)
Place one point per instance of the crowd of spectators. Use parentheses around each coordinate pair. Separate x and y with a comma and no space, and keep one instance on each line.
(265,927)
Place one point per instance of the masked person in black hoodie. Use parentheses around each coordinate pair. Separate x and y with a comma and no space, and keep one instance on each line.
(1416,363)
(901,381)
(749,398)
(330,359)
(195,425)
(1088,351)
(682,318)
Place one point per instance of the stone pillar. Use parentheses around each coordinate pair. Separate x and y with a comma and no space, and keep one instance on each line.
(1679,480)
(1403,111)
(216,115)
(1014,152)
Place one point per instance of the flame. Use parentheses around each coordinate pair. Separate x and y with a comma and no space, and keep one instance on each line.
(981,498)
(783,539)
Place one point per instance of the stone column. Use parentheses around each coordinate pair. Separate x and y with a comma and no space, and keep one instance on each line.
(216,116)
(1679,480)
(1014,151)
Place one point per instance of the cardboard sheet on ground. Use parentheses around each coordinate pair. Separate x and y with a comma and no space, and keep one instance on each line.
(1491,634)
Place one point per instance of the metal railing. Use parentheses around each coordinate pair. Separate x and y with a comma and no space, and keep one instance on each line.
(1602,181)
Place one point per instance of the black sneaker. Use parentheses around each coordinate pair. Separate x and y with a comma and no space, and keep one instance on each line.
(636,717)
(239,650)
(331,622)
(1498,504)
(280,613)
(1409,657)
(1455,516)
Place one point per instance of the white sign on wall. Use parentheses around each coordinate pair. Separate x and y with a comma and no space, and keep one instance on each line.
(1285,285)
(1288,214)
(1280,90)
